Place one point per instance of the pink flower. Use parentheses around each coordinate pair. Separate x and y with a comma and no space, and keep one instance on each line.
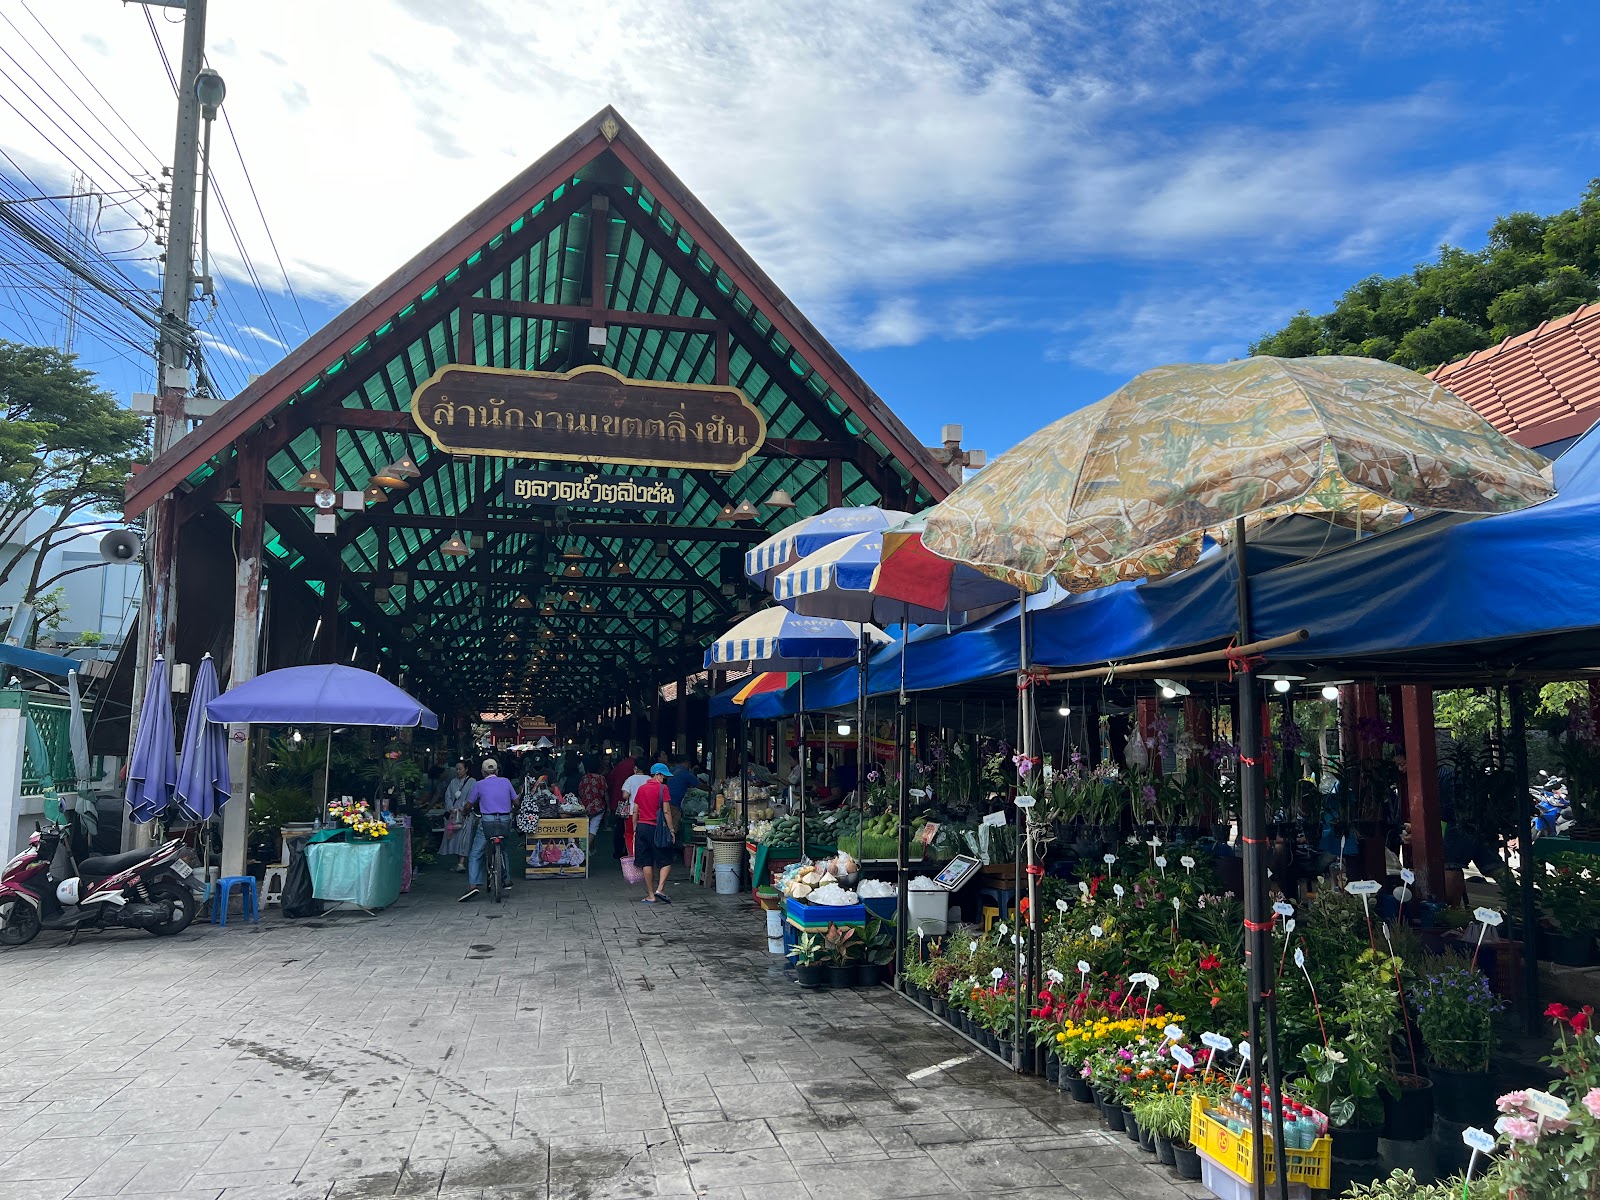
(1592,1103)
(1512,1102)
(1518,1129)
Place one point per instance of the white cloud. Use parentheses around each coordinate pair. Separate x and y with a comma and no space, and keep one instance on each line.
(1147,328)
(858,151)
(261,335)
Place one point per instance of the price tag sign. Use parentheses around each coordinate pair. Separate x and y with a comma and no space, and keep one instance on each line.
(972,946)
(1161,861)
(1174,1033)
(1546,1105)
(1182,1056)
(1363,887)
(1219,1042)
(1109,859)
(1300,958)
(1288,926)
(1061,906)
(1144,977)
(1055,976)
(1487,916)
(1407,876)
(1478,1139)
(1120,892)
(921,932)
(1096,932)
(1084,888)
(1186,863)
(1244,1051)
(1083,967)
(997,974)
(1283,908)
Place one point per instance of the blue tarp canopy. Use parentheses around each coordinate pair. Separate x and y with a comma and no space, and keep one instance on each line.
(37,660)
(1456,598)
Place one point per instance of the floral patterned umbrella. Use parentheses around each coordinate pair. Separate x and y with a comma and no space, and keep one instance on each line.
(1132,485)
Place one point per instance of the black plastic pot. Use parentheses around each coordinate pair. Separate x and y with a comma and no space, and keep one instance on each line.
(841,977)
(1052,1068)
(1408,1117)
(1116,1117)
(1079,1087)
(1466,1097)
(813,976)
(867,974)
(1355,1156)
(939,1008)
(1164,1150)
(1572,949)
(1130,1125)
(1185,1162)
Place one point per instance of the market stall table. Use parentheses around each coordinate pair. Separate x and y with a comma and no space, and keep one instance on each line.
(366,874)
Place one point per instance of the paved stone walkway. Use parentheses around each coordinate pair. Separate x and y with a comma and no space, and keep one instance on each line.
(572,1043)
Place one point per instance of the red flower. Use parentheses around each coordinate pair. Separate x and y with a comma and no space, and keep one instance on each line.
(1580,1020)
(1557,1011)
(1210,962)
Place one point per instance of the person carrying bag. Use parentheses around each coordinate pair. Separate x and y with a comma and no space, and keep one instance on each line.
(655,824)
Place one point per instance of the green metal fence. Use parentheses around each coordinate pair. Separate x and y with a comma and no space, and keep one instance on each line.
(47,747)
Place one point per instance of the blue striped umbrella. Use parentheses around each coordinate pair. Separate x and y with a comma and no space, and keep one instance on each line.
(153,767)
(776,639)
(788,546)
(836,581)
(203,785)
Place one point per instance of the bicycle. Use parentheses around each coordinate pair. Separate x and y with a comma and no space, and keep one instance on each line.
(496,867)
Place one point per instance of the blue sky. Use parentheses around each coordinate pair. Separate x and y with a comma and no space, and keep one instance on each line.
(997,212)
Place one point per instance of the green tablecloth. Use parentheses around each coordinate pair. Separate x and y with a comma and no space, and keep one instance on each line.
(364,873)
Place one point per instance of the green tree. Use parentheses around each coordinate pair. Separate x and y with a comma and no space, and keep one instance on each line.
(1530,269)
(66,448)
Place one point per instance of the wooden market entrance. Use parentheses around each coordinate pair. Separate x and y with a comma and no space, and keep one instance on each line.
(596,255)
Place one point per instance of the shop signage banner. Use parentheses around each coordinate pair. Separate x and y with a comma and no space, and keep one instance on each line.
(589,490)
(559,846)
(590,415)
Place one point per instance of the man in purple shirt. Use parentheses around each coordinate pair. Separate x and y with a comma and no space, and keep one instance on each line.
(495,798)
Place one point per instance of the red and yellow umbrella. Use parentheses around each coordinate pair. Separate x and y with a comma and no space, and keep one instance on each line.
(766,681)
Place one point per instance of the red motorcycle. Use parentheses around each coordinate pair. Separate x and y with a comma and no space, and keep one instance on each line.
(45,888)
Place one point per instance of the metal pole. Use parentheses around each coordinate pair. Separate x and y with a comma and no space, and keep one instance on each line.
(1258,923)
(902,749)
(744,771)
(800,757)
(156,636)
(862,653)
(1518,704)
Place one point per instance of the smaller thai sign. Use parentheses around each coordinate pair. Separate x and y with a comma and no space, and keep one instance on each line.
(593,491)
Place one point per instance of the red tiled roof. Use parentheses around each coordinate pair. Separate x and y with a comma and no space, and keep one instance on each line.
(1538,387)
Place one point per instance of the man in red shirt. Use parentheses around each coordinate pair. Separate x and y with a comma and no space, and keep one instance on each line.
(654,843)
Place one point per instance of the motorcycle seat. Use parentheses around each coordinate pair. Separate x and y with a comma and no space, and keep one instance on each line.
(112,864)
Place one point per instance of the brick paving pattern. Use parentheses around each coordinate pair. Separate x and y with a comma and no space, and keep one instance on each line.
(571,1043)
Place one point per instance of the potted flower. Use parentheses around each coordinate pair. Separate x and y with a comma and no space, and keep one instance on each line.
(842,944)
(810,954)
(1166,1114)
(1571,899)
(1454,1009)
(1551,1155)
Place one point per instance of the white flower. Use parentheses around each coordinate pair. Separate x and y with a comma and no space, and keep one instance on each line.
(1335,1056)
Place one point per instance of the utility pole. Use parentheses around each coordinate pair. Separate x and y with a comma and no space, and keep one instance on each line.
(173,342)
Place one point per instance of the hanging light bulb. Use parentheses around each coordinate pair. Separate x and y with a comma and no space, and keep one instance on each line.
(1065,710)
(521,601)
(745,511)
(1281,685)
(313,481)
(844,728)
(455,547)
(1168,694)
(1330,691)
(779,499)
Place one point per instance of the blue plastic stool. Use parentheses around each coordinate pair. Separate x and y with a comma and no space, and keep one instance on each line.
(1001,898)
(248,908)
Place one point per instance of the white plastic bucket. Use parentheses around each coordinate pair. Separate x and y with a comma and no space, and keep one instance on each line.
(774,924)
(929,910)
(727,879)
(775,945)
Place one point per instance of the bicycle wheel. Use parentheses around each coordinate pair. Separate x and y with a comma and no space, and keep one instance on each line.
(496,879)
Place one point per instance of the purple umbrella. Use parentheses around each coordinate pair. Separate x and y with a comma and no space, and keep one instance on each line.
(327,694)
(153,768)
(203,785)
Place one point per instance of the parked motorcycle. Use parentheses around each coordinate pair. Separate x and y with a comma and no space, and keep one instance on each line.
(1552,811)
(44,887)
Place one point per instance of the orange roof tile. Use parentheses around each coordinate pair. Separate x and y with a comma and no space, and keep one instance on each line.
(1538,387)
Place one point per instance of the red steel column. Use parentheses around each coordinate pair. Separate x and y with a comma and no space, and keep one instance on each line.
(1422,790)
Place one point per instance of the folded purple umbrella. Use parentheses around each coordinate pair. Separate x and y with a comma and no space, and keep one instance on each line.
(203,785)
(325,694)
(153,767)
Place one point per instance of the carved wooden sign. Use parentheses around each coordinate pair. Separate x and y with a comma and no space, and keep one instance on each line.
(590,415)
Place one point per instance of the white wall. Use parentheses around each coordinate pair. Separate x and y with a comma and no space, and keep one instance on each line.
(100,600)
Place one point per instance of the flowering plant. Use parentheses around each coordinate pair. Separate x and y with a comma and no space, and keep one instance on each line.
(1455,1009)
(1557,1158)
(1568,894)
(359,818)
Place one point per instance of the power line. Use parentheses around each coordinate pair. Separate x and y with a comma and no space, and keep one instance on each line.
(271,241)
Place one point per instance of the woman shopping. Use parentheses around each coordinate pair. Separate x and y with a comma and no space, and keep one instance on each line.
(458,818)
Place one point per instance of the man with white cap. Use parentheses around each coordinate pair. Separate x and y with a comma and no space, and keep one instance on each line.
(654,838)
(495,798)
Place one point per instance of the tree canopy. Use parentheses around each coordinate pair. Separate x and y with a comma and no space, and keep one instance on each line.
(1533,268)
(66,447)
